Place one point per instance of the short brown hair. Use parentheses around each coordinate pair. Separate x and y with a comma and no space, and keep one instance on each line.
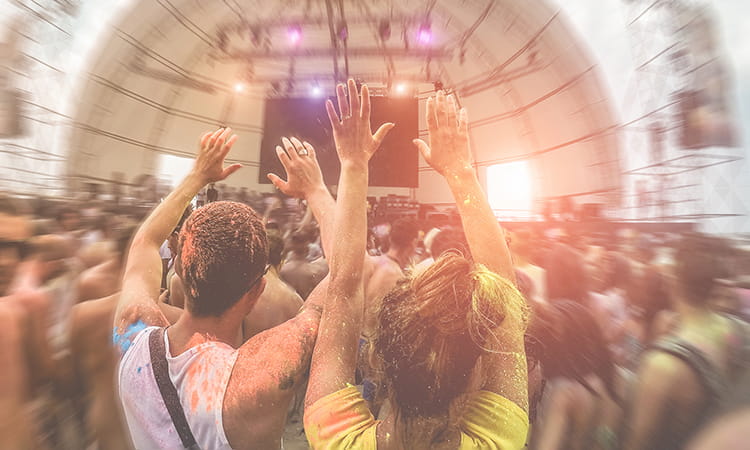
(223,251)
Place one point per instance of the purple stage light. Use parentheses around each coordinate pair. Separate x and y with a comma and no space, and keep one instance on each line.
(425,35)
(295,34)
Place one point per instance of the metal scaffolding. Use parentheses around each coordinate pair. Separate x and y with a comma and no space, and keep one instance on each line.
(667,171)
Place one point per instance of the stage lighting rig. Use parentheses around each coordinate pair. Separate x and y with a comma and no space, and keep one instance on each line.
(384,30)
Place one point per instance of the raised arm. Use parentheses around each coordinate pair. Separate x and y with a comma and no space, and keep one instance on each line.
(335,354)
(504,367)
(137,305)
(305,181)
(449,154)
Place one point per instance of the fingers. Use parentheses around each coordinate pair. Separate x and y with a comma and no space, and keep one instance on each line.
(463,122)
(343,105)
(365,109)
(441,110)
(354,105)
(291,152)
(432,122)
(382,132)
(204,138)
(450,111)
(213,137)
(298,147)
(230,170)
(332,116)
(228,146)
(277,181)
(283,156)
(219,142)
(424,149)
(310,150)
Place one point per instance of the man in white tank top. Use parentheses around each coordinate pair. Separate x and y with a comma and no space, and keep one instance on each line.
(232,396)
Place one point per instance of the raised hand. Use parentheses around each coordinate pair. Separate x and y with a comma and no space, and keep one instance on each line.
(448,151)
(354,139)
(209,163)
(302,169)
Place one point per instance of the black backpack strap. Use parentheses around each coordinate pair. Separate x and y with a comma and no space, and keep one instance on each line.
(167,389)
(739,356)
(711,379)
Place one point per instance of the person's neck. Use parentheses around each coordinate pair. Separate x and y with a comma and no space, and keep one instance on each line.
(190,330)
(399,255)
(273,271)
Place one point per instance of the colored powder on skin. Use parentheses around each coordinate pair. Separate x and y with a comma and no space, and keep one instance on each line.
(203,379)
(123,341)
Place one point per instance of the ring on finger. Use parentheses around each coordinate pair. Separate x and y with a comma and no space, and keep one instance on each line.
(302,152)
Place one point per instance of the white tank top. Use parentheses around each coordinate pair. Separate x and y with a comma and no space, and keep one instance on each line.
(200,375)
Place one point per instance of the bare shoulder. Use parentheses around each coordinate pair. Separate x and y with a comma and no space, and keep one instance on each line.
(133,319)
(291,298)
(272,363)
(96,285)
(662,376)
(90,316)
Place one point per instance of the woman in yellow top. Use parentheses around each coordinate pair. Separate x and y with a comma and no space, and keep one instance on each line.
(450,340)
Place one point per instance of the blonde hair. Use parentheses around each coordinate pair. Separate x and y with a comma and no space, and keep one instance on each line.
(434,326)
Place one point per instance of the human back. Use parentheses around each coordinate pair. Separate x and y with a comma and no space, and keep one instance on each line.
(232,394)
(683,376)
(433,327)
(279,302)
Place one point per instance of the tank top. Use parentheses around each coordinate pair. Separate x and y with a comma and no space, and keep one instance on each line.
(200,375)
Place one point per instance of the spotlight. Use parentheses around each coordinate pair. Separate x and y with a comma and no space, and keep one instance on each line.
(424,35)
(239,87)
(401,88)
(295,34)
(316,91)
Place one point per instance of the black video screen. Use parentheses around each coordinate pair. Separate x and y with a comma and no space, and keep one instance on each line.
(393,165)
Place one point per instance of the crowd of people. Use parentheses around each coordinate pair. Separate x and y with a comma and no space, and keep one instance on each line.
(214,324)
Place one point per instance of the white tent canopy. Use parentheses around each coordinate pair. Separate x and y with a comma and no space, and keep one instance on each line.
(114,85)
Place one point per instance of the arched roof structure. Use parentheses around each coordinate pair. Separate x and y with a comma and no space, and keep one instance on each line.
(162,72)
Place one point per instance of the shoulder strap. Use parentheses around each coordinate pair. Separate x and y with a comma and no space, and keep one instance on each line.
(167,389)
(739,348)
(709,376)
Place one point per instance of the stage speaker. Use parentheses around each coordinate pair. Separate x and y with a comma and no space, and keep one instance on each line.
(395,164)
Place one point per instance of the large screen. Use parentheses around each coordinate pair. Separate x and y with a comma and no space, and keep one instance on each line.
(394,165)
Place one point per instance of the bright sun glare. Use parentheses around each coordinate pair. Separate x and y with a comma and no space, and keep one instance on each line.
(509,188)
